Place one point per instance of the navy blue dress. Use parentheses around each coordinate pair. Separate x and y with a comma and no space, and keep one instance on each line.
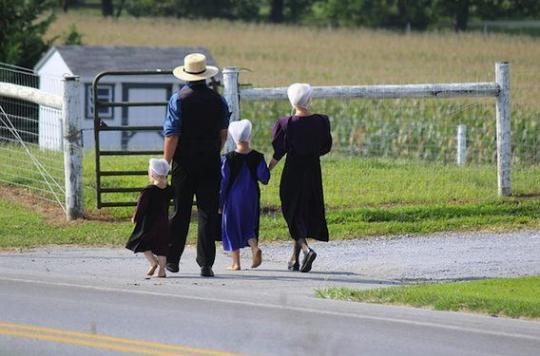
(152,232)
(240,196)
(303,140)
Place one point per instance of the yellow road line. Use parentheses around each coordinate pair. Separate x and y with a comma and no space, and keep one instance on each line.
(101,341)
(79,342)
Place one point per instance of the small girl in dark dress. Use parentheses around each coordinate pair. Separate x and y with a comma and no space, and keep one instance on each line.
(303,137)
(151,233)
(241,171)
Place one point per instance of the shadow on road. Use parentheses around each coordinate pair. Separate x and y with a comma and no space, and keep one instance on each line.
(280,275)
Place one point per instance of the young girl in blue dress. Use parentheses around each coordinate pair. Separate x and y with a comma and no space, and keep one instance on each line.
(241,171)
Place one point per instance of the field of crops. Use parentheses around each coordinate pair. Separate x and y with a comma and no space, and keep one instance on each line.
(391,170)
(417,129)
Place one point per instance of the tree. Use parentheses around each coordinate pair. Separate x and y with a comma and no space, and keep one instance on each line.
(247,10)
(22,26)
(73,37)
(497,9)
(371,13)
(276,11)
(417,14)
(457,10)
(460,11)
(65,4)
(120,7)
(107,8)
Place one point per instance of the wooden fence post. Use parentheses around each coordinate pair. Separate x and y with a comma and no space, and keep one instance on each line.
(504,144)
(461,145)
(231,94)
(71,122)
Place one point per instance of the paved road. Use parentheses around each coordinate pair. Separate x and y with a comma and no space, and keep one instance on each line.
(86,296)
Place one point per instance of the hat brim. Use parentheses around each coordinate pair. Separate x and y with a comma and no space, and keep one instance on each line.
(210,71)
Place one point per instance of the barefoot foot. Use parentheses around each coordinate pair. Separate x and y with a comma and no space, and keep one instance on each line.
(257,258)
(151,270)
(234,268)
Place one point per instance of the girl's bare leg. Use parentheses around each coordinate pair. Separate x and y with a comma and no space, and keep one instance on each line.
(153,262)
(295,252)
(302,244)
(309,256)
(162,261)
(294,263)
(235,261)
(255,252)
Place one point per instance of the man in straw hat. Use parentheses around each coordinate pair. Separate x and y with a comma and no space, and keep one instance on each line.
(195,131)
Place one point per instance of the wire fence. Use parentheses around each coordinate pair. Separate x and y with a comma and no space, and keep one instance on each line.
(31,138)
(420,130)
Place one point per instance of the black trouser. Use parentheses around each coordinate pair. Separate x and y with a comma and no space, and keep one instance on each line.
(199,177)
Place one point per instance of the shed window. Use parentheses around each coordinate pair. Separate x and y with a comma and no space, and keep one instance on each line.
(105,93)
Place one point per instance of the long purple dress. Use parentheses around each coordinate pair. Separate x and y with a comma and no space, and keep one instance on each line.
(239,197)
(303,140)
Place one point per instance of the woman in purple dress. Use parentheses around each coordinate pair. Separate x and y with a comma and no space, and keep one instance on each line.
(303,137)
(241,171)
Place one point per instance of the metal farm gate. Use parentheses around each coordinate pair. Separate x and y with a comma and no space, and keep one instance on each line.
(126,129)
(100,126)
(499,89)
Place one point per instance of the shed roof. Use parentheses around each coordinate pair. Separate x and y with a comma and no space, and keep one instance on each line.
(88,61)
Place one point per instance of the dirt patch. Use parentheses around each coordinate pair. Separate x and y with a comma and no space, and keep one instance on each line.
(51,212)
(101,215)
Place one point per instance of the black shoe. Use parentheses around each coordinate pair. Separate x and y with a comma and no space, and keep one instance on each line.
(172,267)
(293,266)
(308,261)
(207,272)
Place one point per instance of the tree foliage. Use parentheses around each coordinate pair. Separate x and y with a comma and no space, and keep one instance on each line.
(194,9)
(373,13)
(22,26)
(397,14)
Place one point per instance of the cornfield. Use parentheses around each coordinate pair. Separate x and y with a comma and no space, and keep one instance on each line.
(414,129)
(419,129)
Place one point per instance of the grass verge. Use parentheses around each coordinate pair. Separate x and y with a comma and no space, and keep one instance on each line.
(511,297)
(364,197)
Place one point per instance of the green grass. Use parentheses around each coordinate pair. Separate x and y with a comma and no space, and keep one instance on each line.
(412,187)
(23,227)
(364,197)
(512,297)
(352,183)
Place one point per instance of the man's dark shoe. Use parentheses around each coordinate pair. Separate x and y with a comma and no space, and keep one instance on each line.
(172,267)
(308,261)
(293,266)
(207,272)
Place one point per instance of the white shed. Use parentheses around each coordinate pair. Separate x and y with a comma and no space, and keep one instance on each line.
(88,61)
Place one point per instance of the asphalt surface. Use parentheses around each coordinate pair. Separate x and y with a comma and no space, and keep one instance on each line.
(99,293)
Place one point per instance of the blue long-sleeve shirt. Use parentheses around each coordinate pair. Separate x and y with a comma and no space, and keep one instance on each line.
(173,119)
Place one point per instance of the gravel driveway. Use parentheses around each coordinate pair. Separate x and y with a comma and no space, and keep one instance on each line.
(466,255)
(445,256)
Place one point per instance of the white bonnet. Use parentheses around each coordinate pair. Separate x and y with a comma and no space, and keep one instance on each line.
(158,167)
(240,131)
(300,94)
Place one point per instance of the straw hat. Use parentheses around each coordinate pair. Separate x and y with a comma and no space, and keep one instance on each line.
(195,68)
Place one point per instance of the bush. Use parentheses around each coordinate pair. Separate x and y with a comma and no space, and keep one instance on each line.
(73,37)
